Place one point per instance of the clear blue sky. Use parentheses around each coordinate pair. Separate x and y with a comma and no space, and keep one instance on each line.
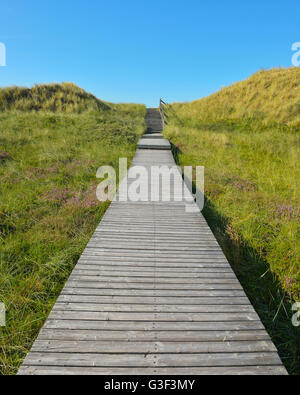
(138,50)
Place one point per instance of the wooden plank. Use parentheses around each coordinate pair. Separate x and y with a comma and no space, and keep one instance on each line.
(156,275)
(194,239)
(75,371)
(155,281)
(69,306)
(157,317)
(156,269)
(153,360)
(149,292)
(152,325)
(144,347)
(150,252)
(88,255)
(90,263)
(134,335)
(145,247)
(153,136)
(157,144)
(82,283)
(154,300)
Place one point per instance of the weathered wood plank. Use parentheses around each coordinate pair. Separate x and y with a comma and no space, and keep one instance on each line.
(75,371)
(88,263)
(153,360)
(134,335)
(88,255)
(157,317)
(142,274)
(116,347)
(149,292)
(69,306)
(152,325)
(83,283)
(157,144)
(156,269)
(156,281)
(154,300)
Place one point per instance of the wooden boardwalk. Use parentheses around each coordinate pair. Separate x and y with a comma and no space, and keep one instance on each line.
(153,294)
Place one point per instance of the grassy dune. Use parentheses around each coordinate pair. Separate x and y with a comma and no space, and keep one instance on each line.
(65,97)
(48,204)
(247,137)
(268,96)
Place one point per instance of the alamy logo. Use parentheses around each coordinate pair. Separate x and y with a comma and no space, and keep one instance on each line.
(2,315)
(2,55)
(296,56)
(296,316)
(153,184)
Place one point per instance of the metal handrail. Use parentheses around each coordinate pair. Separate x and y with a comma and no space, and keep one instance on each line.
(162,106)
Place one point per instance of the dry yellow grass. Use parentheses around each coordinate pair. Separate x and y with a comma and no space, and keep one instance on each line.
(268,95)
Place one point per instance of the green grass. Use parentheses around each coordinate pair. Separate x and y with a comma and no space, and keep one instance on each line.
(252,201)
(48,206)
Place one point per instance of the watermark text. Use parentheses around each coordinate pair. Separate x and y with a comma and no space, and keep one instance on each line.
(153,184)
(2,55)
(296,316)
(296,56)
(2,315)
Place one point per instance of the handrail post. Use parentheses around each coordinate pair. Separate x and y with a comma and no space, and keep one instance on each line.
(162,112)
